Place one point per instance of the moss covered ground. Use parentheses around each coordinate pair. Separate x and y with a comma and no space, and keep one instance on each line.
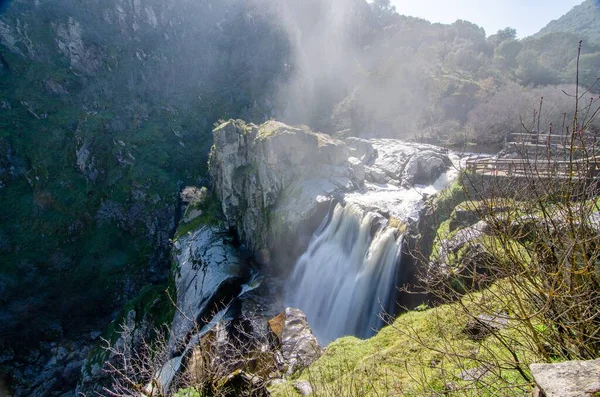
(422,353)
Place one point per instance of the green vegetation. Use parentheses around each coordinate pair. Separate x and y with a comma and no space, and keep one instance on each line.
(210,214)
(445,202)
(191,392)
(420,353)
(94,146)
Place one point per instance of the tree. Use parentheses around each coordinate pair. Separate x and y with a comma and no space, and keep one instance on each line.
(531,71)
(520,256)
(502,36)
(505,55)
(589,66)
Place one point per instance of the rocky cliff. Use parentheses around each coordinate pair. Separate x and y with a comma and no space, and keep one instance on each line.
(275,181)
(106,109)
(271,180)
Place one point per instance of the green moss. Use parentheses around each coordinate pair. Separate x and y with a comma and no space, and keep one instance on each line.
(409,358)
(211,215)
(445,202)
(265,133)
(188,392)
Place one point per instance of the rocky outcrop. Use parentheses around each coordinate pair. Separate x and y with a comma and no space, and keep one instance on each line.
(209,275)
(271,178)
(70,43)
(298,346)
(401,163)
(568,379)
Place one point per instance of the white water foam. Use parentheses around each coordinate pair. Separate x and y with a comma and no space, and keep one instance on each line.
(347,276)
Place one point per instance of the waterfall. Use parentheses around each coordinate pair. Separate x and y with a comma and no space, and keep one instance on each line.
(347,275)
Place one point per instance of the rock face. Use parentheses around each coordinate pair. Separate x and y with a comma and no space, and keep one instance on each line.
(270,178)
(210,273)
(106,181)
(568,379)
(210,277)
(299,347)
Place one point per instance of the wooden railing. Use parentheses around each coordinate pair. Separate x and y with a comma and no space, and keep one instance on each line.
(584,168)
(543,138)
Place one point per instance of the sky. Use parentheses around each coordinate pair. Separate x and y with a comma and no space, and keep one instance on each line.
(527,16)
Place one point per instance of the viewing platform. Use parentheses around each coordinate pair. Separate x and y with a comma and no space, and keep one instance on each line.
(552,141)
(542,163)
(581,168)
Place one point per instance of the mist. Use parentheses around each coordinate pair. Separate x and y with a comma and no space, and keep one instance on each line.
(364,69)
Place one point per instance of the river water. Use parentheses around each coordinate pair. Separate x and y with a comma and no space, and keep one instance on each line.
(345,280)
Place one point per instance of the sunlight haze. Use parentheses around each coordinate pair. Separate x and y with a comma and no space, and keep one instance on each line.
(528,16)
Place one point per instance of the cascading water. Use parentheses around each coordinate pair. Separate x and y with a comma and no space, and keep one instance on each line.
(347,275)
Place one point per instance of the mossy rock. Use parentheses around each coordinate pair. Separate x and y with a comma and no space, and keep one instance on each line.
(210,214)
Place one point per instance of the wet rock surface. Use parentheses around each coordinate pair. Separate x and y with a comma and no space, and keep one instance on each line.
(407,163)
(210,272)
(299,347)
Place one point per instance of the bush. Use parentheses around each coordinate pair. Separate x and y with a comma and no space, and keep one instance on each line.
(538,298)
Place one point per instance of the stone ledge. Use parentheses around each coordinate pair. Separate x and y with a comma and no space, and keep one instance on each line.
(568,379)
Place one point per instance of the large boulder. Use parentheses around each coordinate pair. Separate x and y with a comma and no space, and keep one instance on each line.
(409,163)
(568,379)
(425,167)
(298,345)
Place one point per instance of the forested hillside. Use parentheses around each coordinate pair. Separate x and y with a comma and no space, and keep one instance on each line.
(394,75)
(583,20)
(106,108)
(105,111)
